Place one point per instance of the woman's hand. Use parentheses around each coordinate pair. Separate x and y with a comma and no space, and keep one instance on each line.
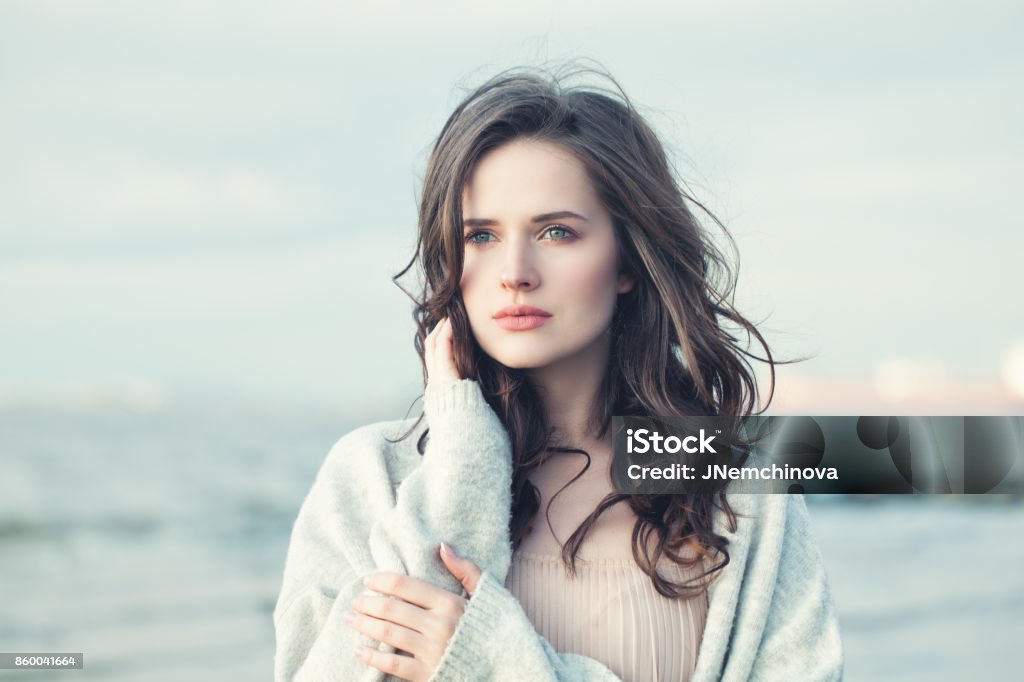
(418,622)
(439,357)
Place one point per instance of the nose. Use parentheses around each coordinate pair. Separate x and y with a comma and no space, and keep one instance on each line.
(519,271)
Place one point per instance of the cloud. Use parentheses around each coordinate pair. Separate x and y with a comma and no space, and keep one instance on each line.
(349,272)
(114,193)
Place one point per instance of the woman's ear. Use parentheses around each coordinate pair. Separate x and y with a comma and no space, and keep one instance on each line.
(625,283)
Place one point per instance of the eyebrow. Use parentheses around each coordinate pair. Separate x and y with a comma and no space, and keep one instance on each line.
(542,218)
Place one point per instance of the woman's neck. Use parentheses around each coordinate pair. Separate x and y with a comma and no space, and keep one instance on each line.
(571,392)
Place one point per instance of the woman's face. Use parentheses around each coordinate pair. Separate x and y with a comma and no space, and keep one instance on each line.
(536,234)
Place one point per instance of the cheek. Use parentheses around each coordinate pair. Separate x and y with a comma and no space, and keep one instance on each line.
(469,290)
(596,284)
(470,270)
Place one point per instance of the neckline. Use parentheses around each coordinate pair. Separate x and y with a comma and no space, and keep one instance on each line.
(628,563)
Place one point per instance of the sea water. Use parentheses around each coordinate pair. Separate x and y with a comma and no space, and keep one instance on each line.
(154,543)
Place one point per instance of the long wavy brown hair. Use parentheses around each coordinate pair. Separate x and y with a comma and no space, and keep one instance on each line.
(676,336)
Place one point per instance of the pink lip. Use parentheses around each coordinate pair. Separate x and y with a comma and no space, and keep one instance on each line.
(521,310)
(521,323)
(519,318)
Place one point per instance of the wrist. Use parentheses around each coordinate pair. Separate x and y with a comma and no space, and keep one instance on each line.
(467,656)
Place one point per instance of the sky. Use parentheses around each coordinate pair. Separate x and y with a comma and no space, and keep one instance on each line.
(208,200)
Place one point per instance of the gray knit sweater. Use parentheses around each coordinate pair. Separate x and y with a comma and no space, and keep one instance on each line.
(377,506)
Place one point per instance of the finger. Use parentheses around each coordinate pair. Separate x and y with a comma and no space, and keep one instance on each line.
(429,340)
(439,328)
(431,344)
(432,335)
(465,570)
(446,351)
(404,667)
(413,590)
(398,636)
(399,612)
(449,336)
(440,340)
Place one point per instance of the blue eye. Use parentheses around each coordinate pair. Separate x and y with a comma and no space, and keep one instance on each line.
(472,237)
(558,232)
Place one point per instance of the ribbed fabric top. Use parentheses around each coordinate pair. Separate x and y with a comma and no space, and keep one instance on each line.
(611,612)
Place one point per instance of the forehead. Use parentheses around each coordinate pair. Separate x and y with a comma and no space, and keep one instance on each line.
(528,176)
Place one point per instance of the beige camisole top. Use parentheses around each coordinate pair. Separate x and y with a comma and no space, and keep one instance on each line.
(610,611)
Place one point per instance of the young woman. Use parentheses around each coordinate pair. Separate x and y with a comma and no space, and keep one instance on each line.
(565,280)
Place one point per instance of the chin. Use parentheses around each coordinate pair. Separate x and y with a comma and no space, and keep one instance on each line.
(519,361)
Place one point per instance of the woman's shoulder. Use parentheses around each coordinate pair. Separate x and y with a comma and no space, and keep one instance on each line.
(764,509)
(764,517)
(382,435)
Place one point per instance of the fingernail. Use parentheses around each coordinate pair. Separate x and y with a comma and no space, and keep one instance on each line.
(449,552)
(350,617)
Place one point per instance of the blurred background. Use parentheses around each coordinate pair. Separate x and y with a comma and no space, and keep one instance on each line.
(202,206)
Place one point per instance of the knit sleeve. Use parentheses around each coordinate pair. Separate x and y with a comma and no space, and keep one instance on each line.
(495,641)
(354,522)
(460,493)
